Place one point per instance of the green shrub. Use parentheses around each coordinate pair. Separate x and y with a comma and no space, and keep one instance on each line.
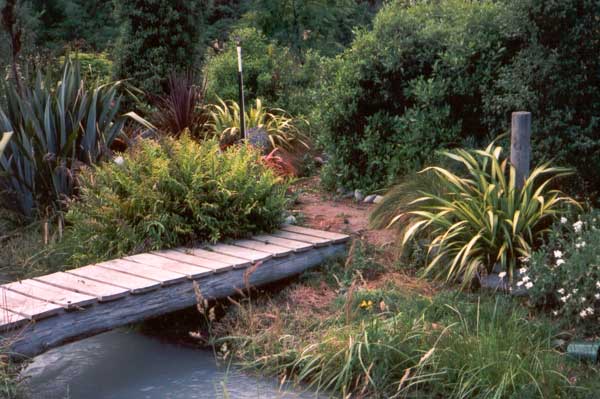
(169,194)
(271,73)
(564,275)
(409,87)
(477,218)
(159,37)
(56,128)
(96,68)
(434,75)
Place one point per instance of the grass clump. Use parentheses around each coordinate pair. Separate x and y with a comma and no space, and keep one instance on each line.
(171,193)
(370,338)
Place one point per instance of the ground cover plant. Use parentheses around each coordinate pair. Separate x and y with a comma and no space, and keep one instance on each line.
(171,193)
(564,275)
(476,219)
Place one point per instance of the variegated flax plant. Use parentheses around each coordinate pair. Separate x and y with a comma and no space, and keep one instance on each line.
(474,220)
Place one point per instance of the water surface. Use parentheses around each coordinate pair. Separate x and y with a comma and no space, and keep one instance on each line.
(124,364)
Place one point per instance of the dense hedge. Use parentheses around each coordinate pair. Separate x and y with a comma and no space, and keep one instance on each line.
(443,74)
(168,194)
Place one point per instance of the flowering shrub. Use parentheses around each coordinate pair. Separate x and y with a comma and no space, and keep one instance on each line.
(565,273)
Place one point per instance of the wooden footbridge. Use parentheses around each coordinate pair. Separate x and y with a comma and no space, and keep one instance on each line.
(48,311)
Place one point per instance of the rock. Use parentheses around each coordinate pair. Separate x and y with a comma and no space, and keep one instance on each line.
(369,198)
(348,194)
(290,220)
(378,199)
(259,138)
(341,191)
(358,195)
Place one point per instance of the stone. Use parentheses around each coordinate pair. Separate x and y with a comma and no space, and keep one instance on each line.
(378,199)
(290,220)
(358,195)
(369,198)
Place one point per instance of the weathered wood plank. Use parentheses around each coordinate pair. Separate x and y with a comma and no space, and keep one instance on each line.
(104,292)
(297,246)
(203,253)
(192,272)
(135,284)
(165,277)
(273,249)
(217,266)
(335,237)
(49,293)
(10,320)
(24,305)
(52,332)
(316,241)
(244,253)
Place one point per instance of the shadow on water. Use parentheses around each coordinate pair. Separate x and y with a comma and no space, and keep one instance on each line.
(124,364)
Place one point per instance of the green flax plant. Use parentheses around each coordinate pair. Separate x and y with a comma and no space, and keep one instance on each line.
(57,128)
(477,218)
(284,131)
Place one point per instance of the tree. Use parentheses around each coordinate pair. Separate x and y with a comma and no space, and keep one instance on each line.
(159,37)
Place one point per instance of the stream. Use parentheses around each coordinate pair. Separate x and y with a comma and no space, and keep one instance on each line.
(124,364)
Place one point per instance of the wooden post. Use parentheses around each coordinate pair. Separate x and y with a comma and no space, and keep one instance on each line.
(520,145)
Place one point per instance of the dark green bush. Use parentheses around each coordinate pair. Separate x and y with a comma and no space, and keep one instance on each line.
(159,37)
(271,73)
(433,75)
(168,194)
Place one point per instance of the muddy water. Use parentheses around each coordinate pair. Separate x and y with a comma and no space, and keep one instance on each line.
(124,364)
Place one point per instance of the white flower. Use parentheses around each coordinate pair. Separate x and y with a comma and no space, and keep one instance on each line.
(520,283)
(563,220)
(583,313)
(559,262)
(565,298)
(575,291)
(524,259)
(523,270)
(561,291)
(582,299)
(502,274)
(597,296)
(526,279)
(119,160)
(529,285)
(580,244)
(589,310)
(597,284)
(558,254)
(577,226)
(555,312)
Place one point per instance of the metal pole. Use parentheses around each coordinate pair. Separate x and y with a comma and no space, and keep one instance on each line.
(241,84)
(520,145)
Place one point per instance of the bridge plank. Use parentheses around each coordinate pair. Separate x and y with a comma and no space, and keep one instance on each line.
(203,253)
(165,277)
(31,308)
(65,298)
(217,266)
(316,241)
(135,284)
(335,237)
(273,249)
(297,246)
(10,320)
(244,253)
(192,272)
(104,292)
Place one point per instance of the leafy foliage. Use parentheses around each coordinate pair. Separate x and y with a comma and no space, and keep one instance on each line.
(271,73)
(446,74)
(168,194)
(4,141)
(283,131)
(96,68)
(57,129)
(478,218)
(564,275)
(159,38)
